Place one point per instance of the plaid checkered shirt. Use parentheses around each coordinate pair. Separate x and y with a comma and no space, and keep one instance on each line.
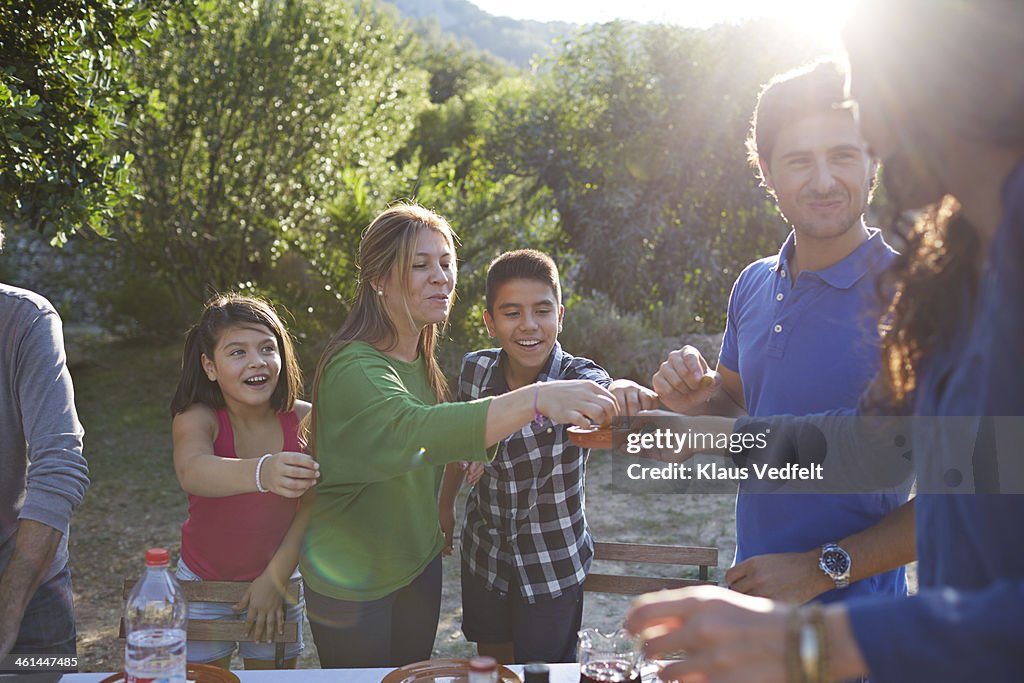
(525,526)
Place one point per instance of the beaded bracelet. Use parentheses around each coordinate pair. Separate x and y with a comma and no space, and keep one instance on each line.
(813,645)
(259,466)
(537,417)
(818,621)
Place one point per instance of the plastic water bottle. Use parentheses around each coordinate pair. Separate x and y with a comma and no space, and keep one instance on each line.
(155,617)
(483,670)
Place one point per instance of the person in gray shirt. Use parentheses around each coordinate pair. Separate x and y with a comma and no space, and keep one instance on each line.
(43,477)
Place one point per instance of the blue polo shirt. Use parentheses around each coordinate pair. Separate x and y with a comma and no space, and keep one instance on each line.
(805,347)
(966,622)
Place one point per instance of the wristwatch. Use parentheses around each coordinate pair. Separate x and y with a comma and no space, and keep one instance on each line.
(835,562)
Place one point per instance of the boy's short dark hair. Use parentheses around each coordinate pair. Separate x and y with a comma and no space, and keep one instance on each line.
(815,88)
(521,264)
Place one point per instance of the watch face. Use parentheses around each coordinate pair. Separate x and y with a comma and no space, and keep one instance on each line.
(835,562)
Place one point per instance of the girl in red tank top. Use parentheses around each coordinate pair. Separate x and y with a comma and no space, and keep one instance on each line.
(238,454)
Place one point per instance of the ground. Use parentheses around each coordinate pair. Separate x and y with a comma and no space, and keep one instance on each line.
(122,392)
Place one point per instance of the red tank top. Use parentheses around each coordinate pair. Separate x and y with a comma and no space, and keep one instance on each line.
(232,538)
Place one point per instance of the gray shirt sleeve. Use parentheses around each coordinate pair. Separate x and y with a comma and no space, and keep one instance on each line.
(57,475)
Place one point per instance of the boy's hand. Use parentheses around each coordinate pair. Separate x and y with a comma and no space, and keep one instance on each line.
(474,471)
(633,397)
(577,401)
(684,381)
(446,516)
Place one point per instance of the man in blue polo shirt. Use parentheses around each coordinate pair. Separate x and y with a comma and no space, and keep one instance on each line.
(801,337)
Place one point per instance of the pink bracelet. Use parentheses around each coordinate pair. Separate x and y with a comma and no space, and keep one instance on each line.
(537,417)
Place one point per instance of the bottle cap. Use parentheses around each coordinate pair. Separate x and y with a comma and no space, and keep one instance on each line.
(157,557)
(483,664)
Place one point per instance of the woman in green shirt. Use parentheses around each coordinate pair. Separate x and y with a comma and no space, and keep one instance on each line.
(382,430)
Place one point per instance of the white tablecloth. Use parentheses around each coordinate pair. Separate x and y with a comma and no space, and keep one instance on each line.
(560,673)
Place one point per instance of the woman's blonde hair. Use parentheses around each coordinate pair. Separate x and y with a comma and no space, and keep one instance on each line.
(387,245)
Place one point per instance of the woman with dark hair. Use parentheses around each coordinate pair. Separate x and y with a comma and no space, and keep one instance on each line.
(382,431)
(940,93)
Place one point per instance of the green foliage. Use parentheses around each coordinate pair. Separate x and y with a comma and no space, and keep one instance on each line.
(267,134)
(491,213)
(637,132)
(63,96)
(619,342)
(263,114)
(456,69)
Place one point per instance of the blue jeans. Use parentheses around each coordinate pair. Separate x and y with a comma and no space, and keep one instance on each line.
(48,627)
(201,651)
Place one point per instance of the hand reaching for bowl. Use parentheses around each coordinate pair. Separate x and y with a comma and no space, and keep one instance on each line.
(685,380)
(633,397)
(576,401)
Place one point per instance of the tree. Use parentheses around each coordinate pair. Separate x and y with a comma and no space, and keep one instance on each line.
(64,95)
(267,111)
(637,132)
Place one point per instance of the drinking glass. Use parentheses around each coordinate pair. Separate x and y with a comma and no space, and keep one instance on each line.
(612,658)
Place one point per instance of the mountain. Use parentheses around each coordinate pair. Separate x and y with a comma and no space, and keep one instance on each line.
(511,39)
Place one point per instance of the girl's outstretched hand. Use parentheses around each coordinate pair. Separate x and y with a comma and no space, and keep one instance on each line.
(577,401)
(289,474)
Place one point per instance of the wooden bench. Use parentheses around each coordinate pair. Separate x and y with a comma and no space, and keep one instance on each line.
(229,592)
(683,556)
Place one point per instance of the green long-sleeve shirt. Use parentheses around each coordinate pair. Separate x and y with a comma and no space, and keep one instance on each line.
(381,441)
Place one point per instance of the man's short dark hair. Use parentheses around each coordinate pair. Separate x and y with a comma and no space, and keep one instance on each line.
(522,264)
(814,88)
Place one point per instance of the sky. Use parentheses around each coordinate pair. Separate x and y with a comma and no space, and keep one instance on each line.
(810,15)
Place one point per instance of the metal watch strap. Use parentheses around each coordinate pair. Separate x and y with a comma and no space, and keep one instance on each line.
(841,580)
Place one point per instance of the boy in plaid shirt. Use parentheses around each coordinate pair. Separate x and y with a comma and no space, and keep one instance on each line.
(526,547)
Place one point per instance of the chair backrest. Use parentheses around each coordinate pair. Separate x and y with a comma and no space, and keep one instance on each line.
(229,592)
(629,584)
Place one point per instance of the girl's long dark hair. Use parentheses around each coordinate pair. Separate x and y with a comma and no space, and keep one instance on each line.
(221,312)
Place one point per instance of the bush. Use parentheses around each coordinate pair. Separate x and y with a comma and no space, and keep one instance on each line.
(625,344)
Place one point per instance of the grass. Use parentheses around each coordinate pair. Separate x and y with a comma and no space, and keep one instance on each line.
(134,501)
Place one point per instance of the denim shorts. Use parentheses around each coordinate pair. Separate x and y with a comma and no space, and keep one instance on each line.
(204,651)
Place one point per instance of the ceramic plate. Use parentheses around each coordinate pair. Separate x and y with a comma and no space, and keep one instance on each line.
(442,671)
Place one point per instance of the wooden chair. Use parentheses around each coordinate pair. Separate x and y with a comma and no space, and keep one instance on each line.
(702,558)
(229,592)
